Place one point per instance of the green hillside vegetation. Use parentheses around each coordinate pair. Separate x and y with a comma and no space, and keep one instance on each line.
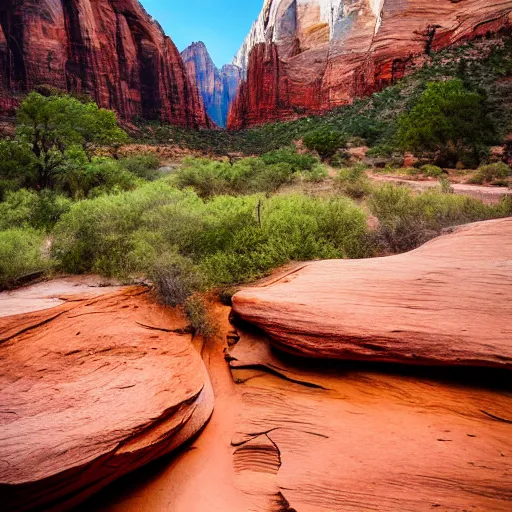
(481,66)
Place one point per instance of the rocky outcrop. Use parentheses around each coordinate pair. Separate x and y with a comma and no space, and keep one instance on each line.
(309,56)
(109,49)
(292,435)
(218,88)
(91,390)
(447,303)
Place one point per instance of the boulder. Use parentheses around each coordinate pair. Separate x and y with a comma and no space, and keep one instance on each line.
(447,303)
(91,390)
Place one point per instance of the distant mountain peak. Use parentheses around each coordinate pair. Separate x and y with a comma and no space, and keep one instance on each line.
(217,87)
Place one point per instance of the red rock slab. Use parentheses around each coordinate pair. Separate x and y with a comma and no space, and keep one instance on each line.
(289,436)
(345,439)
(91,390)
(447,303)
(48,294)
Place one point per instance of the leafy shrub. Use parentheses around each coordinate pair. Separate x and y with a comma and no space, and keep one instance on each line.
(143,166)
(230,239)
(26,208)
(407,220)
(119,234)
(353,182)
(297,161)
(325,142)
(47,209)
(20,255)
(16,209)
(201,321)
(100,176)
(431,171)
(447,118)
(317,174)
(210,178)
(175,278)
(204,176)
(490,173)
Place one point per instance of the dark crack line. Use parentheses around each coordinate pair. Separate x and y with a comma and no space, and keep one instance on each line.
(496,417)
(184,330)
(270,370)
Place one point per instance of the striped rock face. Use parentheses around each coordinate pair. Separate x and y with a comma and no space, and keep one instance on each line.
(308,56)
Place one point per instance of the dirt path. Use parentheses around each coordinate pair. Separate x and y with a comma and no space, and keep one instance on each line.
(490,195)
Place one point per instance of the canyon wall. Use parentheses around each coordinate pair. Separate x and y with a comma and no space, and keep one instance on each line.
(218,87)
(110,49)
(309,56)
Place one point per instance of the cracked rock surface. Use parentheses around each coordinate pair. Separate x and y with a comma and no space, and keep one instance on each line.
(91,390)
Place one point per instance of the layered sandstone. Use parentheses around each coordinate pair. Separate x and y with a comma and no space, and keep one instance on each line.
(447,303)
(109,49)
(218,87)
(290,435)
(309,56)
(93,389)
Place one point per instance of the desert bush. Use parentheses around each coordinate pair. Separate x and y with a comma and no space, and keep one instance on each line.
(431,171)
(27,208)
(175,278)
(407,219)
(246,176)
(317,174)
(100,176)
(230,239)
(204,176)
(143,166)
(201,321)
(490,173)
(353,182)
(325,142)
(297,161)
(20,255)
(111,234)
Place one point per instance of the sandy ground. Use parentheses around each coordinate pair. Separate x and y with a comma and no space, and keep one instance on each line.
(488,195)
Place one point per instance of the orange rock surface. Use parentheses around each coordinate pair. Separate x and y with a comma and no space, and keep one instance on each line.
(91,390)
(447,303)
(289,436)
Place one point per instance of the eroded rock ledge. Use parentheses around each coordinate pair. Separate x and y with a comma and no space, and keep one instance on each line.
(446,303)
(91,390)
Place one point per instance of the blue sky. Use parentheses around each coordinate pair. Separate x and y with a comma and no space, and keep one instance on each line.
(221,24)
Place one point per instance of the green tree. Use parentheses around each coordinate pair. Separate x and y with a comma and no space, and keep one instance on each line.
(448,118)
(325,142)
(58,129)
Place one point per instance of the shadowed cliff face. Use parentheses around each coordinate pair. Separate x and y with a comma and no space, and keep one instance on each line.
(110,49)
(309,56)
(218,88)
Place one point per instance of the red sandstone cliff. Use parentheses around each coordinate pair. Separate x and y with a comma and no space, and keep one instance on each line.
(110,49)
(313,55)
